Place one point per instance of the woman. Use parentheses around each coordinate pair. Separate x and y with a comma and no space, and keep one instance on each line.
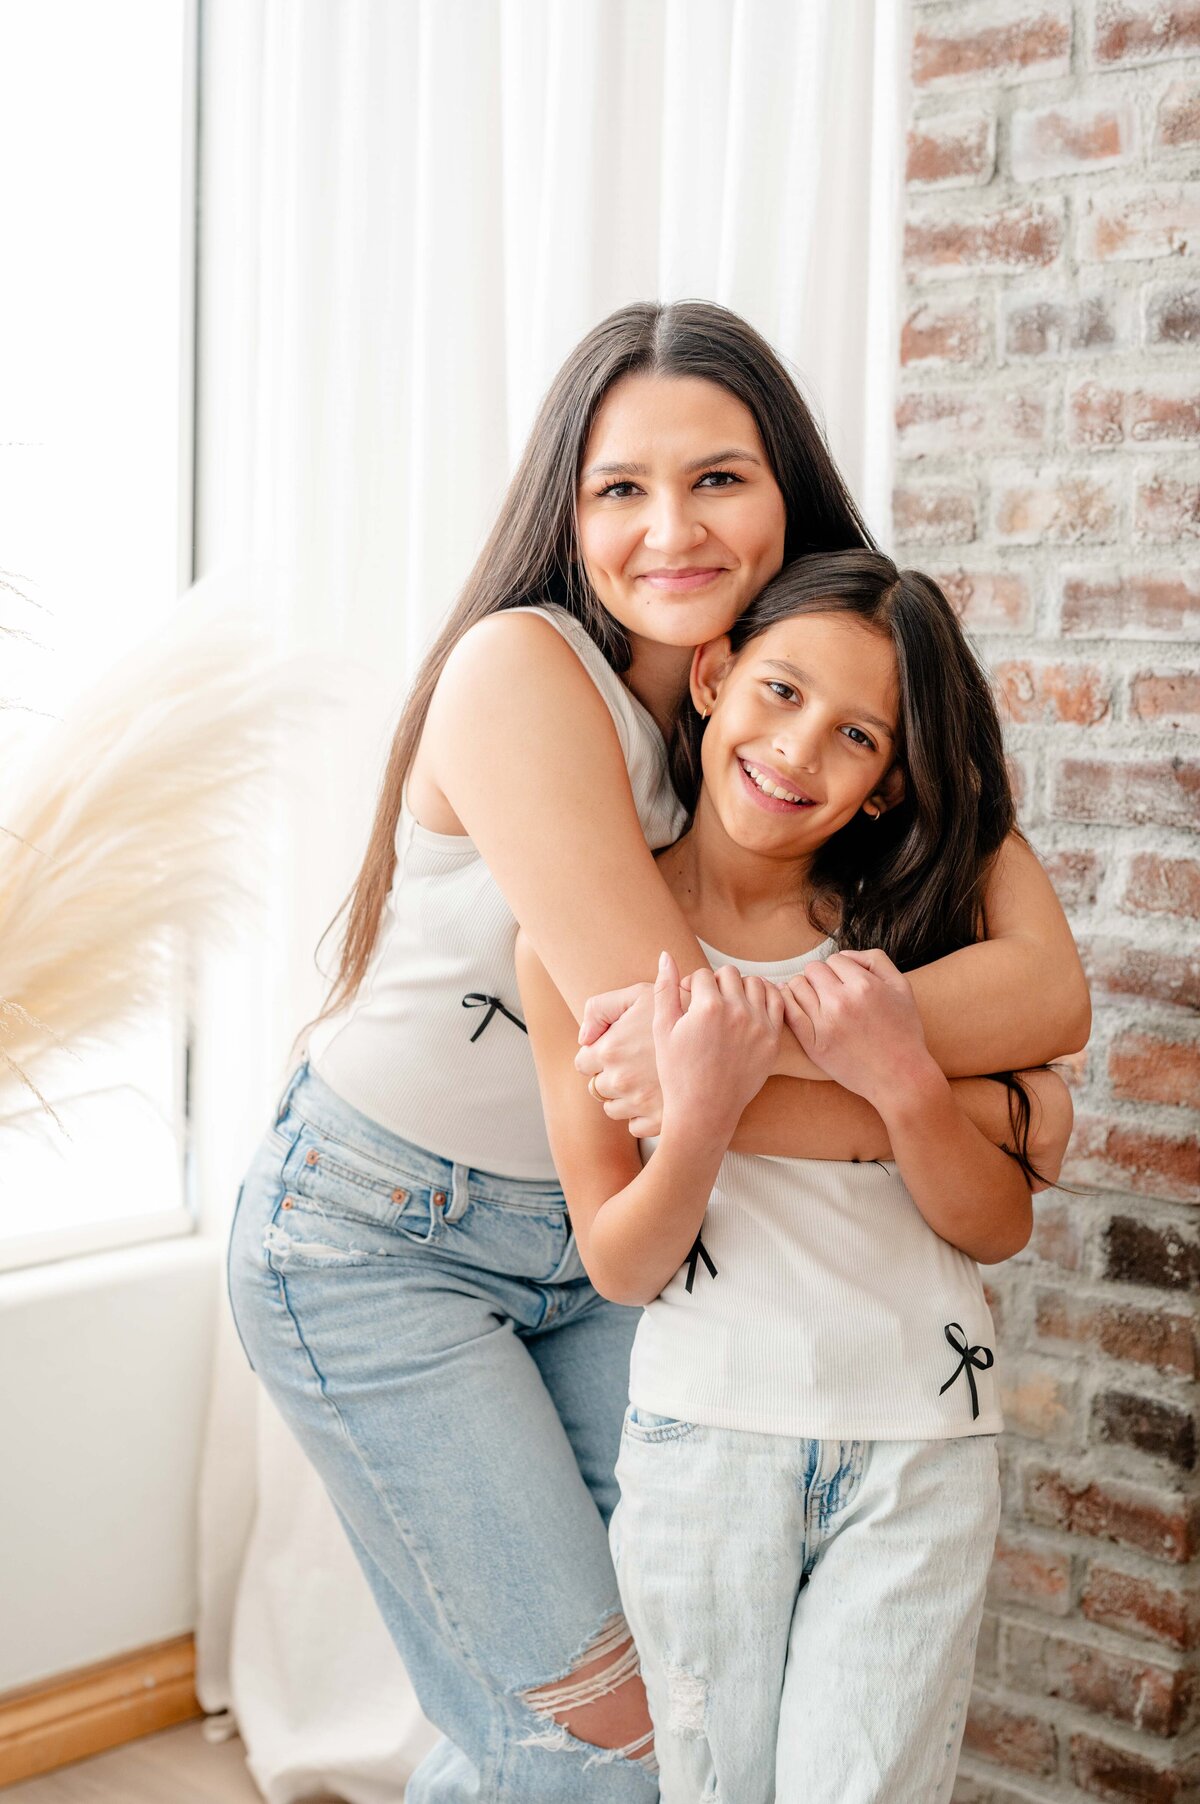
(401,1266)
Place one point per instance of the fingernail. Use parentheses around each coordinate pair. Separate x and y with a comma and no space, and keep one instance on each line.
(662,961)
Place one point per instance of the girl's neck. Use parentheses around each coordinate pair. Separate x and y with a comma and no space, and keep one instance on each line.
(658,676)
(741,903)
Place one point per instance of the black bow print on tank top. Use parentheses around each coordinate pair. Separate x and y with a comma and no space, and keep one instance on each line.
(699,1251)
(967,1360)
(491,1003)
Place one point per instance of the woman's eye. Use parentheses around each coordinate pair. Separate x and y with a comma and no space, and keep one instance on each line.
(616,491)
(720,479)
(858,737)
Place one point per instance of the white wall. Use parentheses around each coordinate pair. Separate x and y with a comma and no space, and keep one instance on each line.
(106,1363)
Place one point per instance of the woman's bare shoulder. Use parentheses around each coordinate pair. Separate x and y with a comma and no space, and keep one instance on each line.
(515,645)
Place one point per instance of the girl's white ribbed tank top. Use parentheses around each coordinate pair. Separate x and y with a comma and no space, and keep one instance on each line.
(432,1046)
(819,1303)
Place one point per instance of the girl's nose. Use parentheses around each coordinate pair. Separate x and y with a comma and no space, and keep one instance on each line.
(799,747)
(673,527)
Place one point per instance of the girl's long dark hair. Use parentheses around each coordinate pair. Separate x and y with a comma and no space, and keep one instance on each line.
(532,554)
(913,881)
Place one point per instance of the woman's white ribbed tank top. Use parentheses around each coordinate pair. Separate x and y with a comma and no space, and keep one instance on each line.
(432,1046)
(818,1303)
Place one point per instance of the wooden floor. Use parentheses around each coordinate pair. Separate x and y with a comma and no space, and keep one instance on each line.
(176,1767)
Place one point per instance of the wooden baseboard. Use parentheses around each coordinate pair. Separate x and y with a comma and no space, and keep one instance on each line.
(98,1707)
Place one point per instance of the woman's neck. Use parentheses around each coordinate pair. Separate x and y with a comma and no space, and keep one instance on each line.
(742,903)
(658,676)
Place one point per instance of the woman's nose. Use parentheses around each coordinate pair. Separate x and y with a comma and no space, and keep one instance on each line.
(674,526)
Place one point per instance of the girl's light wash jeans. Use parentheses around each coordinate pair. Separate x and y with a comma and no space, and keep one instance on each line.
(430,1336)
(806,1611)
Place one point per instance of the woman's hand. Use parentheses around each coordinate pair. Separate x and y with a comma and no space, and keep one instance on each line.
(618,1056)
(855,1016)
(717,1053)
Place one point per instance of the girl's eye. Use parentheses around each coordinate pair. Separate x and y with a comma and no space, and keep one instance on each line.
(860,738)
(783,690)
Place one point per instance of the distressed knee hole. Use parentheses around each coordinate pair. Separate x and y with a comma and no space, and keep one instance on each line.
(601,1701)
(687,1701)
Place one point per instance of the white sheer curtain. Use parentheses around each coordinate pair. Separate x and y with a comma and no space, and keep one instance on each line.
(410,210)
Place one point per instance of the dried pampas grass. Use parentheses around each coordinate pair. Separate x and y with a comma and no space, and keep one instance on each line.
(138,815)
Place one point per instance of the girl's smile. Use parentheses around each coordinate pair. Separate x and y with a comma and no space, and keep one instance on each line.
(769,790)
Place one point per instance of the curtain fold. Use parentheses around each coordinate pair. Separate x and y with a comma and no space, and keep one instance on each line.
(410,210)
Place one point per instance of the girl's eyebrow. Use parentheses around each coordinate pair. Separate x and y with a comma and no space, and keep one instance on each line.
(732,455)
(802,676)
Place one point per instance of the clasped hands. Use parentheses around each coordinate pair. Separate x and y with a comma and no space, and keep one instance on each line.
(853,1016)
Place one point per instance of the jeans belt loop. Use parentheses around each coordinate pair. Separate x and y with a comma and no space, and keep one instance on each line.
(460,1194)
(289,1090)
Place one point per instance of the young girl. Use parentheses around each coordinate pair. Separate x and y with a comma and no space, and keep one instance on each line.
(808,1473)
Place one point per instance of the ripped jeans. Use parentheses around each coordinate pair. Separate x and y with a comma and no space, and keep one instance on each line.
(806,1611)
(430,1337)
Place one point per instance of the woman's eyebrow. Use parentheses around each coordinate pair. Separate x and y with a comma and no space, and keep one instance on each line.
(732,455)
(802,676)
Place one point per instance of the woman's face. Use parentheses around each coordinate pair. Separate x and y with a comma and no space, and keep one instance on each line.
(802,732)
(681,520)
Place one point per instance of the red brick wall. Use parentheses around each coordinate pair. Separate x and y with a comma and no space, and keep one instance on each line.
(1048,472)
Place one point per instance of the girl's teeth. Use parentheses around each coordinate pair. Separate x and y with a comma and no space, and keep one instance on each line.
(767,787)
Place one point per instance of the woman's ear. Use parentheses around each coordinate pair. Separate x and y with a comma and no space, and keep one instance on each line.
(709,665)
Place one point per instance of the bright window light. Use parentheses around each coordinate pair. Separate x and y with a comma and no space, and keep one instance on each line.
(97,144)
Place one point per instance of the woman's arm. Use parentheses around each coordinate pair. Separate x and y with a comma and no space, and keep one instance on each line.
(842,1125)
(1018,997)
(521,744)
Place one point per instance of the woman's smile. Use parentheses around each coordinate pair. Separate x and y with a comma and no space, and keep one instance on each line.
(682,580)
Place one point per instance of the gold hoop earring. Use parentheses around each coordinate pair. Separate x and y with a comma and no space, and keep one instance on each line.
(872,816)
(705,712)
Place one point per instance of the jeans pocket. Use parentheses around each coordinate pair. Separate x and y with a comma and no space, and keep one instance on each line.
(345,1186)
(647,1426)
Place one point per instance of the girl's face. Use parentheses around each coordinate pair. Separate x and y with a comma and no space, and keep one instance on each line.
(802,733)
(681,520)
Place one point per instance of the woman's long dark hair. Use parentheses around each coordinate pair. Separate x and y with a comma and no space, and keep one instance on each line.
(532,553)
(913,881)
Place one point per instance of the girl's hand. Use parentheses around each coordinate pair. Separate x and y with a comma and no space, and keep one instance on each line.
(716,1056)
(620,1057)
(855,1016)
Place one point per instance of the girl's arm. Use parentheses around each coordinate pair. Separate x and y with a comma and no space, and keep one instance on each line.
(634,1225)
(860,1021)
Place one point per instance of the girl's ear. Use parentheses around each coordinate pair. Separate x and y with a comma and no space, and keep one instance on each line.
(889,794)
(709,665)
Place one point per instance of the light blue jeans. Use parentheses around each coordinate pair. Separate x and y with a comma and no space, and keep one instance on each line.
(806,1611)
(430,1336)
